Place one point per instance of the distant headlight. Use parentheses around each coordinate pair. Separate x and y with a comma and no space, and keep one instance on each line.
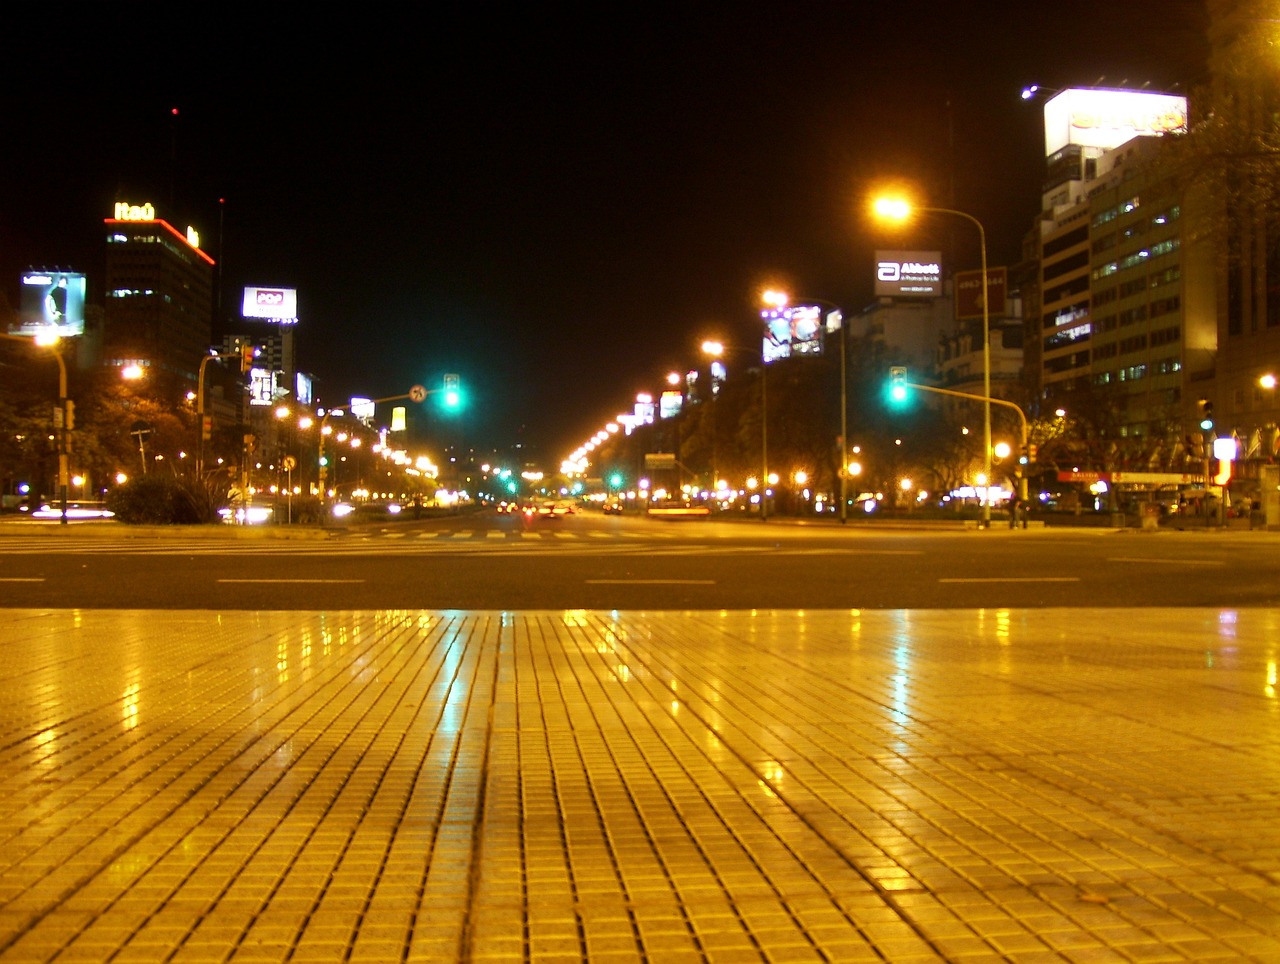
(342,510)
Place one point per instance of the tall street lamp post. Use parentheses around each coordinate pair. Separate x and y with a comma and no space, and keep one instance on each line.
(715,349)
(64,412)
(899,210)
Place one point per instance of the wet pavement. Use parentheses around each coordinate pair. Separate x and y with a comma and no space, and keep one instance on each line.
(939,785)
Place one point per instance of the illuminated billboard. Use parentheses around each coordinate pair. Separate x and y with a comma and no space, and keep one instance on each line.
(969,292)
(908,274)
(272,304)
(1109,118)
(796,330)
(669,404)
(52,303)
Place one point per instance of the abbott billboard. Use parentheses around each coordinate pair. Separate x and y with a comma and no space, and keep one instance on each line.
(1109,118)
(908,274)
(273,304)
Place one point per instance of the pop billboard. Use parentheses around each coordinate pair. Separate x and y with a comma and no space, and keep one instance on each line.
(908,274)
(272,304)
(1109,118)
(52,304)
(791,331)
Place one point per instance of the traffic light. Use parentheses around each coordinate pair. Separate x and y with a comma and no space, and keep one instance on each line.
(247,356)
(897,385)
(1206,414)
(452,391)
(615,480)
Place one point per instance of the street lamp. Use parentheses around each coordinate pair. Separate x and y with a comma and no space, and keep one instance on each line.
(65,413)
(899,210)
(715,349)
(779,299)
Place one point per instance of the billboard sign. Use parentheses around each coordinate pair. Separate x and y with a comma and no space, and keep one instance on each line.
(271,304)
(52,303)
(969,292)
(669,404)
(908,274)
(796,330)
(1109,118)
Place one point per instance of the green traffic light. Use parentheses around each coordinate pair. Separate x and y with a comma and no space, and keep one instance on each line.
(898,393)
(615,480)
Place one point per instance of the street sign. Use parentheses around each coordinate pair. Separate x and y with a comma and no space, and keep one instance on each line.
(659,460)
(289,463)
(418,393)
(140,429)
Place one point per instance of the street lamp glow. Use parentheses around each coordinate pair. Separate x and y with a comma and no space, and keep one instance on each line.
(892,208)
(1267,381)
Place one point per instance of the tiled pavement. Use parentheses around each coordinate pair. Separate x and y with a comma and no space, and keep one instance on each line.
(381,786)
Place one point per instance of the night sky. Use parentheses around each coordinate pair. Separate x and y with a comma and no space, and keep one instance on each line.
(556,201)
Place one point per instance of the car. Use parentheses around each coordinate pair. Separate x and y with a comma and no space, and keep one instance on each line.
(508,508)
(612,507)
(78,509)
(556,509)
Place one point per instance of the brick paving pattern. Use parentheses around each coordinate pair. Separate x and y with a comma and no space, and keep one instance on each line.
(723,786)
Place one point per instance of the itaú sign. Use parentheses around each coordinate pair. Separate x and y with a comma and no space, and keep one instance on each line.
(124,211)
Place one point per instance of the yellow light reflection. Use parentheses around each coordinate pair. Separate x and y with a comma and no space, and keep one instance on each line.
(574,617)
(1270,688)
(129,706)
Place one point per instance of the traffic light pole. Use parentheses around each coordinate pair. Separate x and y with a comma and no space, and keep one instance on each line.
(1022,418)
(200,408)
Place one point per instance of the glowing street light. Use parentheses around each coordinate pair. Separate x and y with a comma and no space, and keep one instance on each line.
(898,210)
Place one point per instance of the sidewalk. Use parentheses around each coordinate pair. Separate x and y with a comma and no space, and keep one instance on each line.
(725,786)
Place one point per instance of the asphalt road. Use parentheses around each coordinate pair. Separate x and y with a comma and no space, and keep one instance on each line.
(589,561)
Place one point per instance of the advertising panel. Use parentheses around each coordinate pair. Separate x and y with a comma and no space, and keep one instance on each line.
(52,303)
(362,408)
(1109,118)
(969,292)
(302,388)
(908,274)
(262,386)
(796,330)
(669,404)
(644,412)
(272,304)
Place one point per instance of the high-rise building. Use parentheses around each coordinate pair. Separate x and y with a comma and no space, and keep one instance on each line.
(159,294)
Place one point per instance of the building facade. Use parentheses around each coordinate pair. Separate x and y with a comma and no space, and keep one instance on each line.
(159,294)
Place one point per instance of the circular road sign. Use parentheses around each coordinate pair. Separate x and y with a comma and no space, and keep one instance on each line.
(417,393)
(289,463)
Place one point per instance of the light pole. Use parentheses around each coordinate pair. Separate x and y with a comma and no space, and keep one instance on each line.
(65,413)
(897,209)
(715,349)
(779,299)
